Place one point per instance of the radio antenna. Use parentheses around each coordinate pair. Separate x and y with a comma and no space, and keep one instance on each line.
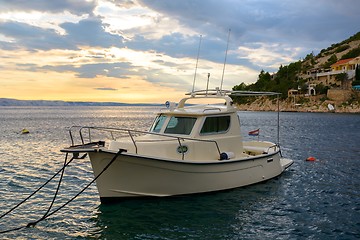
(227,47)
(197,60)
(207,85)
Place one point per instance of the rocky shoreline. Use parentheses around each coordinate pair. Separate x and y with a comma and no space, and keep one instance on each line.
(310,105)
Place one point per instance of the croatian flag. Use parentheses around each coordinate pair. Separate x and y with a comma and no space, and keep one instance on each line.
(254,132)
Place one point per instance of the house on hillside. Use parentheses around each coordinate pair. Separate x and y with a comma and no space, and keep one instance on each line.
(345,65)
(328,77)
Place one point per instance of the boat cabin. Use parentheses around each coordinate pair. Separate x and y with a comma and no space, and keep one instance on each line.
(196,132)
(198,121)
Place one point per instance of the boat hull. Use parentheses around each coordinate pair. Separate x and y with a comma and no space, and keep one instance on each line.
(133,175)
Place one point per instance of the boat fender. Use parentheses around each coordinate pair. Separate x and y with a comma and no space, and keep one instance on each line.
(226,155)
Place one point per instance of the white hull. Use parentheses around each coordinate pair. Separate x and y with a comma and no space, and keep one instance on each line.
(133,175)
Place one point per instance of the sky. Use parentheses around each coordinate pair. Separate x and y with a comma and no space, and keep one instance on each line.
(145,51)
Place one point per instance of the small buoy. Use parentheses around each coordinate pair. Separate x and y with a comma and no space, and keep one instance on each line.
(25,131)
(311,159)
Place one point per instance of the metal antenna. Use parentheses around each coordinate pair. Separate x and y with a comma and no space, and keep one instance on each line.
(197,60)
(227,47)
(278,119)
(207,85)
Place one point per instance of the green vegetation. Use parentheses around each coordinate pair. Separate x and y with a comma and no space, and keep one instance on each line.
(285,79)
(355,37)
(352,53)
(328,51)
(354,99)
(342,78)
(321,88)
(310,57)
(357,76)
(288,77)
(303,100)
(333,59)
(342,48)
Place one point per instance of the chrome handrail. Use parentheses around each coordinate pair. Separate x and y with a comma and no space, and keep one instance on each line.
(273,146)
(210,109)
(131,135)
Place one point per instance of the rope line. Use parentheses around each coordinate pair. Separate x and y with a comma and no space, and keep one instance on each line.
(27,198)
(54,198)
(32,194)
(88,185)
(47,214)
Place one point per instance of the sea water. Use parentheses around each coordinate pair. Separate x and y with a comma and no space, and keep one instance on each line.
(311,200)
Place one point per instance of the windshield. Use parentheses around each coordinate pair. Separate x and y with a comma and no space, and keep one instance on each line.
(180,125)
(158,123)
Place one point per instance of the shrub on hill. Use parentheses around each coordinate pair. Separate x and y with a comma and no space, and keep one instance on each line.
(352,53)
(342,48)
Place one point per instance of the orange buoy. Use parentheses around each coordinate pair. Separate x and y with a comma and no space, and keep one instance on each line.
(311,159)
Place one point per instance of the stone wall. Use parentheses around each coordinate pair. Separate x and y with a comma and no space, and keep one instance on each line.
(339,95)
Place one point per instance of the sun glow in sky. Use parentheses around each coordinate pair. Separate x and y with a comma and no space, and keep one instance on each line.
(145,51)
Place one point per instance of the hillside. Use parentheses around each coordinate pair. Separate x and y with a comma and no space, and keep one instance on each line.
(348,48)
(313,81)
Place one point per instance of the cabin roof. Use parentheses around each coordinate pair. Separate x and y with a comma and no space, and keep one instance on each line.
(200,110)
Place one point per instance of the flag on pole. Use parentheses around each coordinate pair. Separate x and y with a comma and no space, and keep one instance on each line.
(254,132)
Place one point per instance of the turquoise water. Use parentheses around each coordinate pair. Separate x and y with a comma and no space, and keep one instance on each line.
(312,200)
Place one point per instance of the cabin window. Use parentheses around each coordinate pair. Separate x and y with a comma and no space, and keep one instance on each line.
(215,125)
(180,125)
(159,122)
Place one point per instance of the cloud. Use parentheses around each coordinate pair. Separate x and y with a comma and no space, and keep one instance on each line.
(45,20)
(117,70)
(286,30)
(87,32)
(106,89)
(73,6)
(267,56)
(30,37)
(155,42)
(173,44)
(92,70)
(295,22)
(90,32)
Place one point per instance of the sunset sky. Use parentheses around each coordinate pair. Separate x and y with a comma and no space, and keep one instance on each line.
(145,51)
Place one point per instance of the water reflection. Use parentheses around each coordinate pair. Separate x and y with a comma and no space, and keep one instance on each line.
(221,215)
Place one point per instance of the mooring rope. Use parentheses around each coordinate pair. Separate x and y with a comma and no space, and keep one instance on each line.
(87,186)
(47,214)
(32,194)
(53,200)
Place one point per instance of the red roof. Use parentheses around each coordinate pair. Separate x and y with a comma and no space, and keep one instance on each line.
(341,62)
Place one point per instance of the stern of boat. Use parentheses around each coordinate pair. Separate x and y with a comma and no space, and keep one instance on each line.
(285,163)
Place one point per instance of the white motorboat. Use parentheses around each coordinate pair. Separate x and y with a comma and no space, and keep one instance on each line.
(188,149)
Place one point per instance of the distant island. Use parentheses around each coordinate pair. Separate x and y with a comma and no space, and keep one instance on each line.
(16,102)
